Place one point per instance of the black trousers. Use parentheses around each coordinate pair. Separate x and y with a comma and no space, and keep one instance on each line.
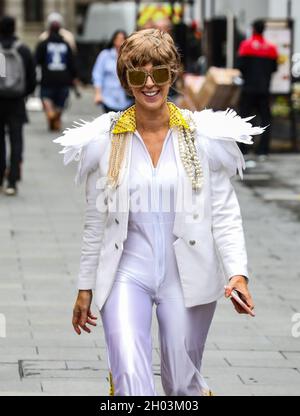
(257,104)
(14,126)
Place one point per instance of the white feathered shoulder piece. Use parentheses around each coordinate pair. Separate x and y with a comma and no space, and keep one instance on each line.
(83,143)
(218,132)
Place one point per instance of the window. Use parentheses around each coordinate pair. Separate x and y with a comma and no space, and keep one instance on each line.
(34,10)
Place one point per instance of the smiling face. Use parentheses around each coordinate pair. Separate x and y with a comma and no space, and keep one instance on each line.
(143,50)
(151,96)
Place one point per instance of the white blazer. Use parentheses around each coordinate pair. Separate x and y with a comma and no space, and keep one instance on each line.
(210,245)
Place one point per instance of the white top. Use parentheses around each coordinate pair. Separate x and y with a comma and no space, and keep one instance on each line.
(148,250)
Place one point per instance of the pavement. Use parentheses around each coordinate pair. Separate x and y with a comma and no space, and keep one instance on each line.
(40,239)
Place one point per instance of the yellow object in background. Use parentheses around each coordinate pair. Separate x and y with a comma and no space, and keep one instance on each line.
(155,12)
(282,59)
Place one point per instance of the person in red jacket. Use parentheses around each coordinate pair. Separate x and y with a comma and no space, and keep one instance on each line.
(257,60)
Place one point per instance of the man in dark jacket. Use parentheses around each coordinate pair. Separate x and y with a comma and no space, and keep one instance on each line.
(12,103)
(257,60)
(56,59)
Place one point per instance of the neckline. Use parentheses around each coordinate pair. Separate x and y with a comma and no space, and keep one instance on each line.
(161,152)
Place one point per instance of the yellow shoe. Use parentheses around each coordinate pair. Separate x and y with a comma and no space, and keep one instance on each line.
(111,385)
(207,393)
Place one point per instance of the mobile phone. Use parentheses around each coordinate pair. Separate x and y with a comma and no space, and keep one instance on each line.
(236,297)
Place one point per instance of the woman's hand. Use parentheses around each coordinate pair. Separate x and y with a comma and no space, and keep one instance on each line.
(240,284)
(98,98)
(82,314)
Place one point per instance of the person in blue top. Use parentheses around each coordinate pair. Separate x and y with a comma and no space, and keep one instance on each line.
(108,90)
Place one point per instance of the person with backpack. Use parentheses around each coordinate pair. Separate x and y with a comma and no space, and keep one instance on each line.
(57,61)
(19,81)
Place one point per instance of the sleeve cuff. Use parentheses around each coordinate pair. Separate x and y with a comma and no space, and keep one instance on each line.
(237,274)
(86,285)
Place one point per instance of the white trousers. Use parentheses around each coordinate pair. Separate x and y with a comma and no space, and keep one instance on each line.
(126,318)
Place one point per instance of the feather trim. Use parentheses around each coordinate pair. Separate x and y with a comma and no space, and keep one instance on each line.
(218,133)
(226,125)
(77,140)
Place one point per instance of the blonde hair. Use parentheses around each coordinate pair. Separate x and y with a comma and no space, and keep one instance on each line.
(147,46)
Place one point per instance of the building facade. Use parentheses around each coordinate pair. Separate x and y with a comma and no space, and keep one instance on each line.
(31,14)
(246,11)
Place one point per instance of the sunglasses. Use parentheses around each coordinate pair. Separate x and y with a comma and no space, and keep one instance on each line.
(160,75)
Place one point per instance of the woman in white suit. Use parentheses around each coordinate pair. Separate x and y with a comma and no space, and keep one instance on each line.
(163,223)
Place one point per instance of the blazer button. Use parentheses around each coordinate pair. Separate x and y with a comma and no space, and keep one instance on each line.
(116,245)
(192,242)
(116,220)
(195,216)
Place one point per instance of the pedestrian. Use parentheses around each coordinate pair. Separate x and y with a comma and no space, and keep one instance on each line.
(58,73)
(257,60)
(163,225)
(19,82)
(108,91)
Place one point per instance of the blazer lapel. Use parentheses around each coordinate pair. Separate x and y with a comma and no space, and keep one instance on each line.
(189,204)
(125,168)
(178,229)
(122,191)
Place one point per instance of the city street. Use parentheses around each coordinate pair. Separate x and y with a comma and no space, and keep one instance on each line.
(40,239)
